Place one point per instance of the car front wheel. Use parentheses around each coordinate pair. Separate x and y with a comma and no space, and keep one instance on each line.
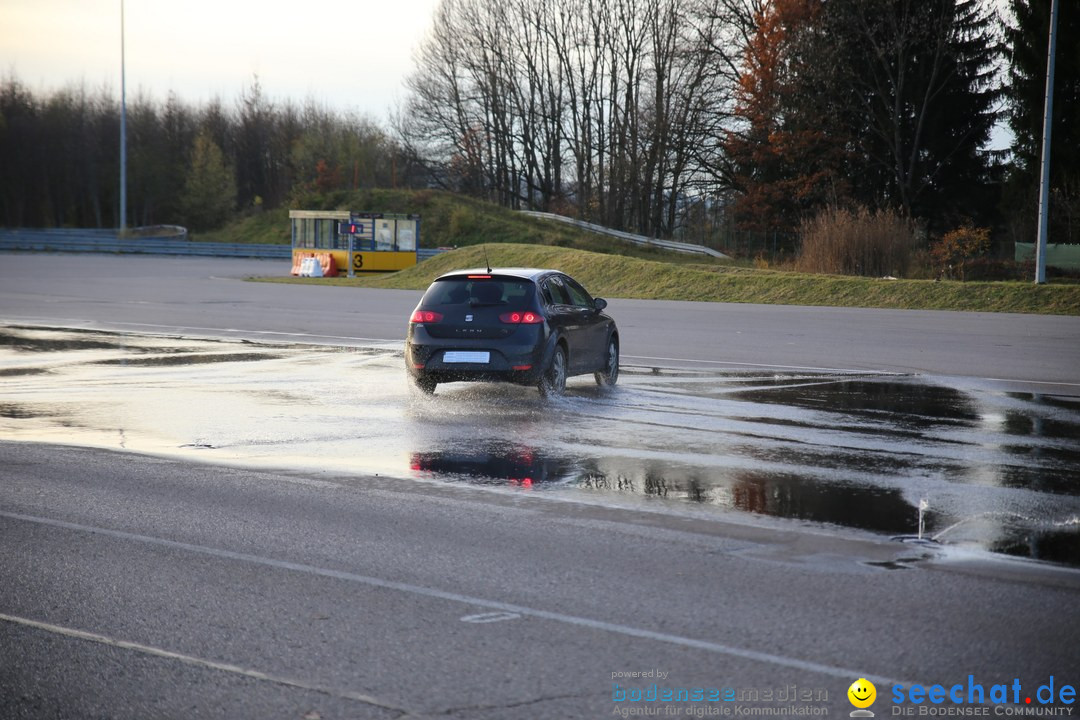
(609,374)
(553,381)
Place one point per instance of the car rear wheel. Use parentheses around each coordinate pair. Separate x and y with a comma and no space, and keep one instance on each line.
(553,381)
(609,375)
(423,383)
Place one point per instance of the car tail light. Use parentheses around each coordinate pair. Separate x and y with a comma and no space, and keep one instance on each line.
(523,317)
(425,316)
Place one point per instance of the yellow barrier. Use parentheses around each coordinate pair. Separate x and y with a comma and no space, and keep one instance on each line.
(365,261)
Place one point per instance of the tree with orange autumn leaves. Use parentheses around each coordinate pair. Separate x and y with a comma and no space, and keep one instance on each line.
(879,103)
(781,160)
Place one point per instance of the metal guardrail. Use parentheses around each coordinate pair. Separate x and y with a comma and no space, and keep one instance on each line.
(107,241)
(639,239)
(173,240)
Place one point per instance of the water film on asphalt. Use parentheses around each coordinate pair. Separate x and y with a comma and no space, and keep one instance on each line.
(995,470)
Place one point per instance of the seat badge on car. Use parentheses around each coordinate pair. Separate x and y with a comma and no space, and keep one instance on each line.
(468,318)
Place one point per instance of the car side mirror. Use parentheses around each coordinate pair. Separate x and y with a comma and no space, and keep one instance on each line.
(599,303)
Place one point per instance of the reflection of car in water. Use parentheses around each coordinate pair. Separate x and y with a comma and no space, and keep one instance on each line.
(525,326)
(516,466)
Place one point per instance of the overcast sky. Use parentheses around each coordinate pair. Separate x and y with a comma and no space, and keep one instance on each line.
(351,55)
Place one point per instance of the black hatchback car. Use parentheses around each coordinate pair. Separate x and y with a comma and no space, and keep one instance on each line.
(525,326)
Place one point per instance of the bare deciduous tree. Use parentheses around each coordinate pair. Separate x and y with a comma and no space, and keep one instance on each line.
(601,106)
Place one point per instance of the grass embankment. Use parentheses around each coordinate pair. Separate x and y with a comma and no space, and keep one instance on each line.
(269,227)
(447,220)
(627,277)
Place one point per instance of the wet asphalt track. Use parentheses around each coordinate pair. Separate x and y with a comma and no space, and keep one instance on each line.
(998,470)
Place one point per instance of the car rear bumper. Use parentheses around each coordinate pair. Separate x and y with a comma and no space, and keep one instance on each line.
(507,363)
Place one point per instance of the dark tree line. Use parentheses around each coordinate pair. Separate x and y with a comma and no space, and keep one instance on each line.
(632,113)
(59,157)
(656,116)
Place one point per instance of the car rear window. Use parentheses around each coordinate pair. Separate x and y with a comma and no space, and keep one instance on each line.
(513,293)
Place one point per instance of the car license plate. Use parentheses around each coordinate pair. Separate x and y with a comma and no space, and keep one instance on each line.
(460,356)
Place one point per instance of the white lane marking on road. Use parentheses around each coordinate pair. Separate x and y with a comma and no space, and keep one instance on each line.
(495,605)
(274,333)
(1033,382)
(867,371)
(727,363)
(196,661)
(186,328)
(490,617)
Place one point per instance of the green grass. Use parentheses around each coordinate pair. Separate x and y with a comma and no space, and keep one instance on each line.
(269,227)
(616,276)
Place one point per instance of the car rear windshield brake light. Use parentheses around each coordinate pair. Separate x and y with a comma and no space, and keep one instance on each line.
(425,316)
(522,317)
(479,277)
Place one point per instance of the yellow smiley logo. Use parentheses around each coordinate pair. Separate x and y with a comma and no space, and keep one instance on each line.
(862,693)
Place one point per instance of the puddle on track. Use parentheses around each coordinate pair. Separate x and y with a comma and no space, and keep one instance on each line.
(1000,470)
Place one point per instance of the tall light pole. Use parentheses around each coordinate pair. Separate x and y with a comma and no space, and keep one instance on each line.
(123,128)
(1044,182)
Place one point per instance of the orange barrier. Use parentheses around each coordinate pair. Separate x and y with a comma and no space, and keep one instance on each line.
(329,266)
(297,259)
(326,262)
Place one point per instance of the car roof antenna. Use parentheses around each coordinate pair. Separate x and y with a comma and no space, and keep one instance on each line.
(486,261)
